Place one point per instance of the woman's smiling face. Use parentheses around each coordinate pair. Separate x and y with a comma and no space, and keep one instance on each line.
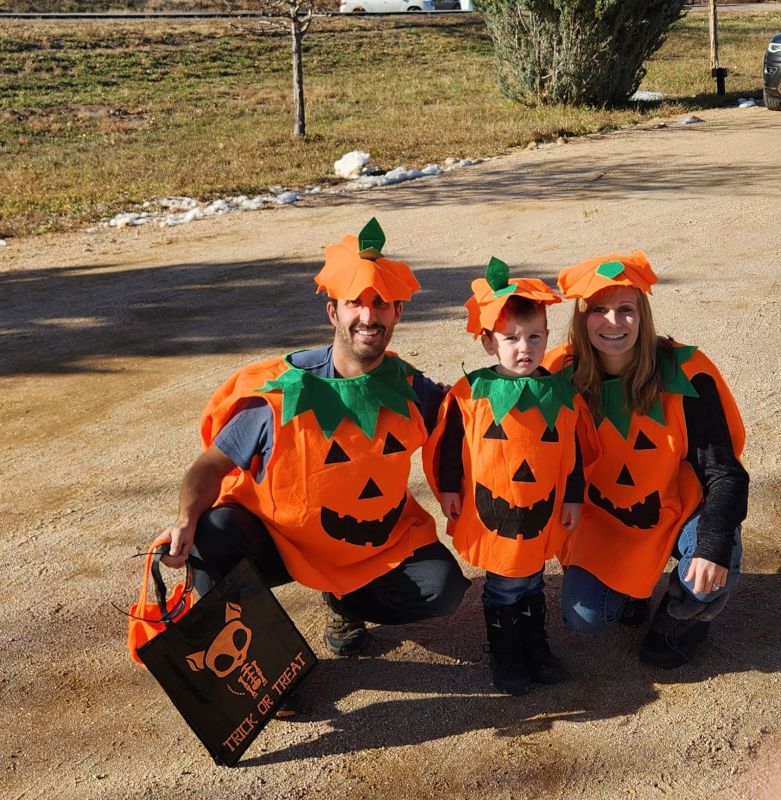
(613,325)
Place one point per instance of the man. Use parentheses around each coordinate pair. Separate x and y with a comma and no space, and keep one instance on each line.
(307,458)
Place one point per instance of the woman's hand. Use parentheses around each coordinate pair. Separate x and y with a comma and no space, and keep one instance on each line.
(706,576)
(450,503)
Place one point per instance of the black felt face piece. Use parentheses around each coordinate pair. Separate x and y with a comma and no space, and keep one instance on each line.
(354,529)
(371,532)
(644,514)
(512,521)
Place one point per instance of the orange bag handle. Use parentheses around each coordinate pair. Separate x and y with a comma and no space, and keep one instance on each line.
(142,595)
(147,619)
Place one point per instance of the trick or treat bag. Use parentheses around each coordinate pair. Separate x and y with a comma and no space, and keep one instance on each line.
(230,661)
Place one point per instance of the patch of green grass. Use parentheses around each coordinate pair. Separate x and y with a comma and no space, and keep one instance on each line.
(98,116)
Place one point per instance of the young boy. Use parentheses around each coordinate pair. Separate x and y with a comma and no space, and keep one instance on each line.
(504,464)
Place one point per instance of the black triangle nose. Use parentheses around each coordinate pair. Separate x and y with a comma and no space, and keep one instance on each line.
(370,490)
(525,474)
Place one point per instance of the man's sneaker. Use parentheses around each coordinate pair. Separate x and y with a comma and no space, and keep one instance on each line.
(343,636)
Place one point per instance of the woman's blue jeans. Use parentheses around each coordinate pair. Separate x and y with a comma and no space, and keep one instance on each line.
(589,606)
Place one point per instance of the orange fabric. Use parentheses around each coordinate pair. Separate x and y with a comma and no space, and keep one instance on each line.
(308,491)
(345,274)
(582,280)
(492,463)
(626,557)
(144,623)
(485,307)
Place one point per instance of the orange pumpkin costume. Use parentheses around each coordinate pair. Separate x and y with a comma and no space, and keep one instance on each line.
(518,446)
(640,487)
(515,471)
(337,505)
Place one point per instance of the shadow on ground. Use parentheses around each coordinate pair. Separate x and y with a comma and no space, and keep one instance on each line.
(605,680)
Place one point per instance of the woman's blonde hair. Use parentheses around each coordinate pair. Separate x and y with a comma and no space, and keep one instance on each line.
(641,380)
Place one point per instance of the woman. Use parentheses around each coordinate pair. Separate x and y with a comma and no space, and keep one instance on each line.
(662,462)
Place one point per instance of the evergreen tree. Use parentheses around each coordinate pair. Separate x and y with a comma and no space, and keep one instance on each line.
(588,52)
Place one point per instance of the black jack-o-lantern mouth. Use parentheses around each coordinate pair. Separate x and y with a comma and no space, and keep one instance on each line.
(371,532)
(644,514)
(513,521)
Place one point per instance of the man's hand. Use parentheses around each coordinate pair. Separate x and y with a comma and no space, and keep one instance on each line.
(706,576)
(182,537)
(450,503)
(570,515)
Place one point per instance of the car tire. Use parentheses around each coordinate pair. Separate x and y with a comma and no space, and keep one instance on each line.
(413,8)
(772,103)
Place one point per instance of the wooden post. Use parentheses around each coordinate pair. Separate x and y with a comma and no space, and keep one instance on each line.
(716,71)
(299,125)
(713,21)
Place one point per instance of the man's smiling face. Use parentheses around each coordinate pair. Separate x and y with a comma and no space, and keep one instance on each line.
(363,329)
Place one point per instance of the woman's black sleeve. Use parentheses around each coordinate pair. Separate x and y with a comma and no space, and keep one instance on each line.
(723,478)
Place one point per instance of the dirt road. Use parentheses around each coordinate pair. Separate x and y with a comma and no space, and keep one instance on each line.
(113,340)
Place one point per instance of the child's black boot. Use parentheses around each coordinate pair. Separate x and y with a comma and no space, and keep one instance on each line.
(542,665)
(505,650)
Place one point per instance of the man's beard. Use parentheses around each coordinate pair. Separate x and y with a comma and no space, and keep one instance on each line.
(363,353)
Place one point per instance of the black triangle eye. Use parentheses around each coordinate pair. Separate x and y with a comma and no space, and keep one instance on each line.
(525,474)
(643,442)
(370,490)
(550,435)
(392,445)
(336,455)
(495,432)
(625,478)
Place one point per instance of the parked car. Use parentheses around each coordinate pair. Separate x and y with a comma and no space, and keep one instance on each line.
(384,6)
(773,74)
(447,5)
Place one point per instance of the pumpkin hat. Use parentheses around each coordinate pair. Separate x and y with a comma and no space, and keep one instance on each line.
(589,277)
(491,293)
(357,263)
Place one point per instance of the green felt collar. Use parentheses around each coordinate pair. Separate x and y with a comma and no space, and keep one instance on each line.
(332,399)
(614,406)
(548,393)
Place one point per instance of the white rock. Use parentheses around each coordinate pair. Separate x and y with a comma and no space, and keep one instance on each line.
(746,102)
(3,243)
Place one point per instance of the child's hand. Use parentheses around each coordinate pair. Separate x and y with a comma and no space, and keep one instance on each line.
(570,515)
(450,502)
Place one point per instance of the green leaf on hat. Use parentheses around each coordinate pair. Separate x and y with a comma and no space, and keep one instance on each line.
(497,274)
(610,269)
(371,240)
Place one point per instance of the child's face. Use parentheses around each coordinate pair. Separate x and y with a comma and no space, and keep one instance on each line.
(518,344)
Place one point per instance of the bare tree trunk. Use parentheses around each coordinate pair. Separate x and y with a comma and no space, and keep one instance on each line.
(299,125)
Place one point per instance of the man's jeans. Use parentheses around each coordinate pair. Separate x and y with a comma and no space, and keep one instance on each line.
(589,606)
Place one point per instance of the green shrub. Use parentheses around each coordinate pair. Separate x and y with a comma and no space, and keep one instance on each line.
(577,52)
